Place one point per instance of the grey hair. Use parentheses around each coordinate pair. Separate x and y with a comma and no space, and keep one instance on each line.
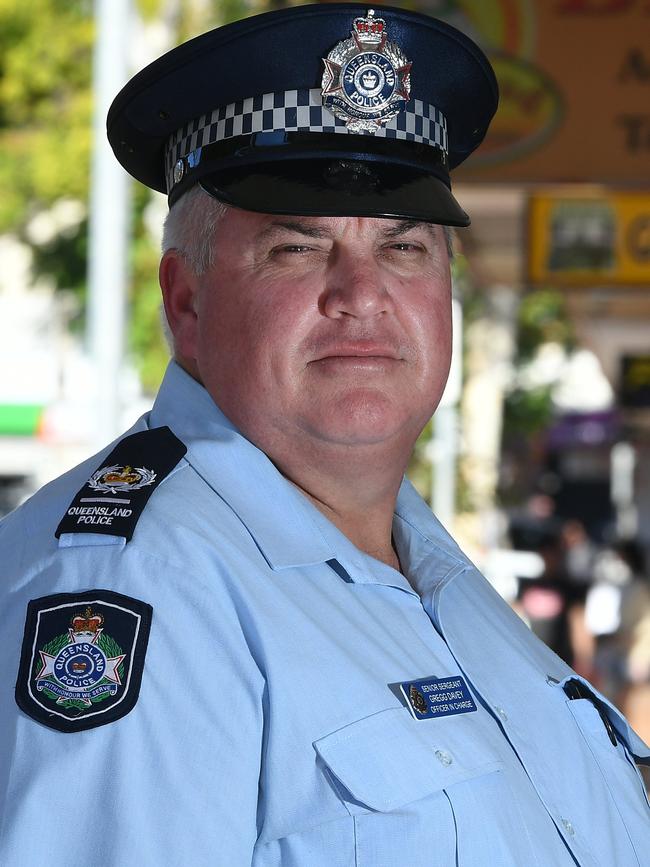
(190,227)
(191,223)
(450,234)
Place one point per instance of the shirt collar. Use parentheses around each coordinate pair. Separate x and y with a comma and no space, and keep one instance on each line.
(427,552)
(287,528)
(276,515)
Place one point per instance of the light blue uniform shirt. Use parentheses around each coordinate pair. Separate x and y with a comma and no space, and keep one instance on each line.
(270,729)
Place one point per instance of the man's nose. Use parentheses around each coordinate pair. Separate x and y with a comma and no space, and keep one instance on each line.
(355,286)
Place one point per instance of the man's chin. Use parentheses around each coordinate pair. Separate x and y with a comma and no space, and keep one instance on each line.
(364,419)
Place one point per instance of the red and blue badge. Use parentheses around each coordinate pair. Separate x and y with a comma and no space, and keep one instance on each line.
(82,658)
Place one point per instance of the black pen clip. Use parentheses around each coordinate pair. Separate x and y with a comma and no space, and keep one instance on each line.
(577,689)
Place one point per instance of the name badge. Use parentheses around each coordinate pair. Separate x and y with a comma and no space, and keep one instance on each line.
(432,697)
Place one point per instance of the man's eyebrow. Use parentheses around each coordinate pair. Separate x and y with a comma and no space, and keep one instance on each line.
(403,226)
(310,230)
(298,226)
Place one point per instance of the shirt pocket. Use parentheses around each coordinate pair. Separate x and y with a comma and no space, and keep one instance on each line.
(413,789)
(620,774)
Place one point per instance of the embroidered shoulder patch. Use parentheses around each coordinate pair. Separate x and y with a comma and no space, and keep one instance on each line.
(114,496)
(82,658)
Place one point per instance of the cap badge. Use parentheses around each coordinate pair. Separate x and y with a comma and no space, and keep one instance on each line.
(367,80)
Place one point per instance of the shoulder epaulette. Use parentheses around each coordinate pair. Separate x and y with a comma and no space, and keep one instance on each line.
(113,498)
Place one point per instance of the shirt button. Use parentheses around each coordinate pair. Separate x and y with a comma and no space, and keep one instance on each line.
(443,757)
(568,827)
(502,714)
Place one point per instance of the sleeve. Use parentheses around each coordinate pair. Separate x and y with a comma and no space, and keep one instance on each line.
(172,781)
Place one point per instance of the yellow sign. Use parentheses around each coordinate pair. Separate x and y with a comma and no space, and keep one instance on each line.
(574,77)
(584,239)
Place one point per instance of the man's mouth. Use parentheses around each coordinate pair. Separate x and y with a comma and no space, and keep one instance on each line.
(362,350)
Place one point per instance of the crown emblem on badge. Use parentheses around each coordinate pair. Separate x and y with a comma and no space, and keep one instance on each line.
(121,478)
(367,79)
(370,32)
(88,622)
(126,477)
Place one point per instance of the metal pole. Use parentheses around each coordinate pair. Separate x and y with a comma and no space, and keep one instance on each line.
(445,425)
(444,446)
(108,224)
(622,470)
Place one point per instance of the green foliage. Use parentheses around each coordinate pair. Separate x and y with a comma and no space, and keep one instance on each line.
(233,10)
(543,318)
(527,412)
(149,9)
(14,182)
(419,469)
(63,259)
(45,104)
(146,342)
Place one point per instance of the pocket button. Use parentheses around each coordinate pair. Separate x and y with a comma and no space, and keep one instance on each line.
(568,827)
(444,758)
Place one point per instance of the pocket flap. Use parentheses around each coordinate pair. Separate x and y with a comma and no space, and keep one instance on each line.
(637,747)
(389,759)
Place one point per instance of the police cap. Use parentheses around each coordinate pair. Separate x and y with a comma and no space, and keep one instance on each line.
(329,110)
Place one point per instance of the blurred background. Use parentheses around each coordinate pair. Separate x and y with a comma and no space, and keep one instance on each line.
(538,459)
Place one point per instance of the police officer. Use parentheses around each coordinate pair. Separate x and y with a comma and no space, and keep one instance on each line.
(237,636)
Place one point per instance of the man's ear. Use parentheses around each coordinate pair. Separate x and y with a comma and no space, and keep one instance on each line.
(179,286)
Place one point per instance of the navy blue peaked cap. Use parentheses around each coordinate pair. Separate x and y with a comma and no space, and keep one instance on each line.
(328,109)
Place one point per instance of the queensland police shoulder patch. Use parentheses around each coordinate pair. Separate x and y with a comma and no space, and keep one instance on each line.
(112,499)
(82,658)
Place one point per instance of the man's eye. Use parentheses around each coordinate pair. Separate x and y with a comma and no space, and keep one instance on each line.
(405,247)
(292,248)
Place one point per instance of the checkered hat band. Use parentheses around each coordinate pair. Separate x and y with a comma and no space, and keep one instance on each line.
(296,111)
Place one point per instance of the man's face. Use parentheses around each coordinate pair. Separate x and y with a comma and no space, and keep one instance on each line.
(337,329)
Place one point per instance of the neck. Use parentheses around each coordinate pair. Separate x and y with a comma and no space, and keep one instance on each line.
(355,492)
